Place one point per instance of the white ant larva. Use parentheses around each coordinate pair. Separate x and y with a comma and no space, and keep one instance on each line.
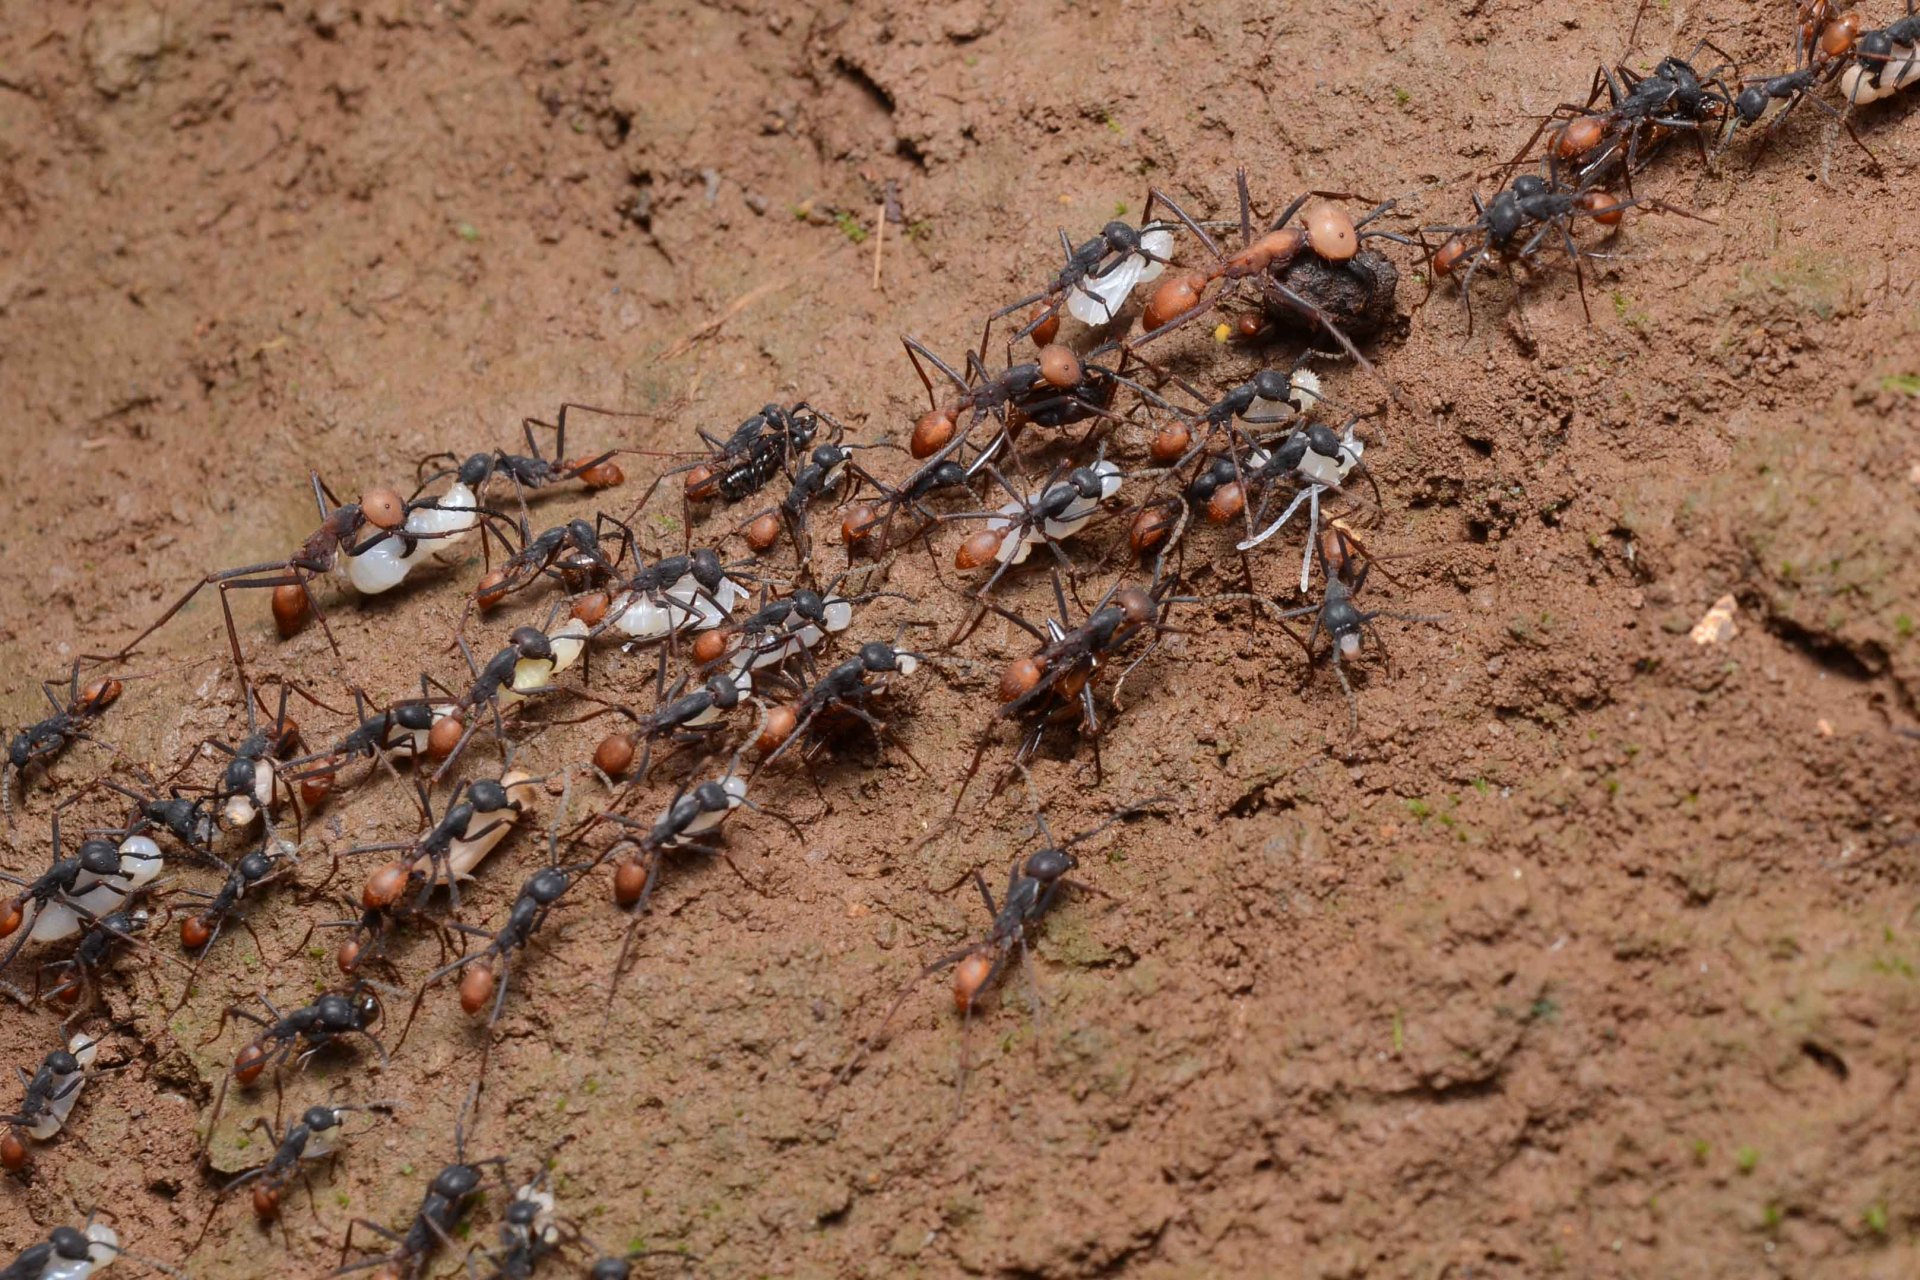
(385,565)
(93,896)
(1096,299)
(494,825)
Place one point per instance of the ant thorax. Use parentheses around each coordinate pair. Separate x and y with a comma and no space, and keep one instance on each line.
(385,565)
(84,1049)
(1097,299)
(95,896)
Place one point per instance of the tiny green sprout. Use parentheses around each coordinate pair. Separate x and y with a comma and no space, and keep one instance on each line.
(406,1171)
(1612,785)
(1419,808)
(1401,97)
(464,1230)
(1903,625)
(1113,126)
(317,953)
(1904,384)
(466,231)
(850,227)
(1746,1159)
(591,1086)
(1701,1150)
(1770,1217)
(1482,786)
(636,1244)
(342,1199)
(560,1103)
(1875,1219)
(1399,1032)
(1120,208)
(243,1142)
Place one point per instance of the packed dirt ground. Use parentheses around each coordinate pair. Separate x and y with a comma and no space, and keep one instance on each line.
(1591,952)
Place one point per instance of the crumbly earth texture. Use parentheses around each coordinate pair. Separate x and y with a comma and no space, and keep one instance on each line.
(1590,952)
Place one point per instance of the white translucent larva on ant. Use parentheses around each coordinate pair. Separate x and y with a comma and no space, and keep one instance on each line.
(736,788)
(84,1049)
(1350,645)
(1082,509)
(700,609)
(464,855)
(141,862)
(1901,69)
(529,674)
(638,616)
(385,565)
(1306,394)
(105,1247)
(1095,300)
(1321,472)
(241,810)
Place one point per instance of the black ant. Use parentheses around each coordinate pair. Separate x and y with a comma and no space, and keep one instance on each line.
(95,863)
(742,464)
(1326,231)
(1096,278)
(829,469)
(688,592)
(92,957)
(571,551)
(488,971)
(348,530)
(533,469)
(480,814)
(312,1137)
(1056,389)
(400,729)
(1035,884)
(70,1252)
(332,1018)
(1056,681)
(1056,510)
(1873,55)
(845,690)
(860,521)
(41,744)
(252,783)
(524,668)
(782,629)
(253,873)
(1793,88)
(1642,111)
(442,1208)
(1530,203)
(48,1098)
(680,714)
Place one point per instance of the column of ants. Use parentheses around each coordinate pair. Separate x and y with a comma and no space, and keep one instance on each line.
(1097,463)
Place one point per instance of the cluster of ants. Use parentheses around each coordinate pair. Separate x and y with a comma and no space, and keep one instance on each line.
(1021,463)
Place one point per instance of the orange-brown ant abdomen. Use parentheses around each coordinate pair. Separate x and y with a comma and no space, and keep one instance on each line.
(384,887)
(266,1203)
(1021,677)
(1447,259)
(1046,324)
(591,608)
(1579,136)
(1170,443)
(629,881)
(315,788)
(711,646)
(101,694)
(491,590)
(763,532)
(195,933)
(614,755)
(703,483)
(476,988)
(857,524)
(1603,207)
(249,1063)
(601,475)
(290,609)
(444,737)
(780,724)
(1836,39)
(13,1152)
(1172,298)
(968,977)
(1149,529)
(931,433)
(980,548)
(1275,249)
(1228,501)
(347,956)
(10,916)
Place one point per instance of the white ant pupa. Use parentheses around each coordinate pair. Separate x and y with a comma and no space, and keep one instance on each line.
(837,611)
(1096,300)
(385,565)
(685,606)
(1078,513)
(141,862)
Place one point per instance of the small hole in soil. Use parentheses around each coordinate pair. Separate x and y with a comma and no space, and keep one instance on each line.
(1826,1058)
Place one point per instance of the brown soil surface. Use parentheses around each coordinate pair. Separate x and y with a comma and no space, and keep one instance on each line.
(1592,952)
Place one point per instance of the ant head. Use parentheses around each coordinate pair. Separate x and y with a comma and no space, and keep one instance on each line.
(1120,237)
(878,655)
(1504,217)
(547,885)
(319,1118)
(70,1243)
(383,508)
(238,778)
(455,1182)
(101,857)
(711,797)
(255,865)
(707,569)
(1049,865)
(20,752)
(487,795)
(62,1063)
(1751,103)
(1321,439)
(809,605)
(1137,605)
(531,642)
(335,1011)
(1272,384)
(1529,185)
(582,533)
(830,455)
(523,1213)
(1087,482)
(724,691)
(476,470)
